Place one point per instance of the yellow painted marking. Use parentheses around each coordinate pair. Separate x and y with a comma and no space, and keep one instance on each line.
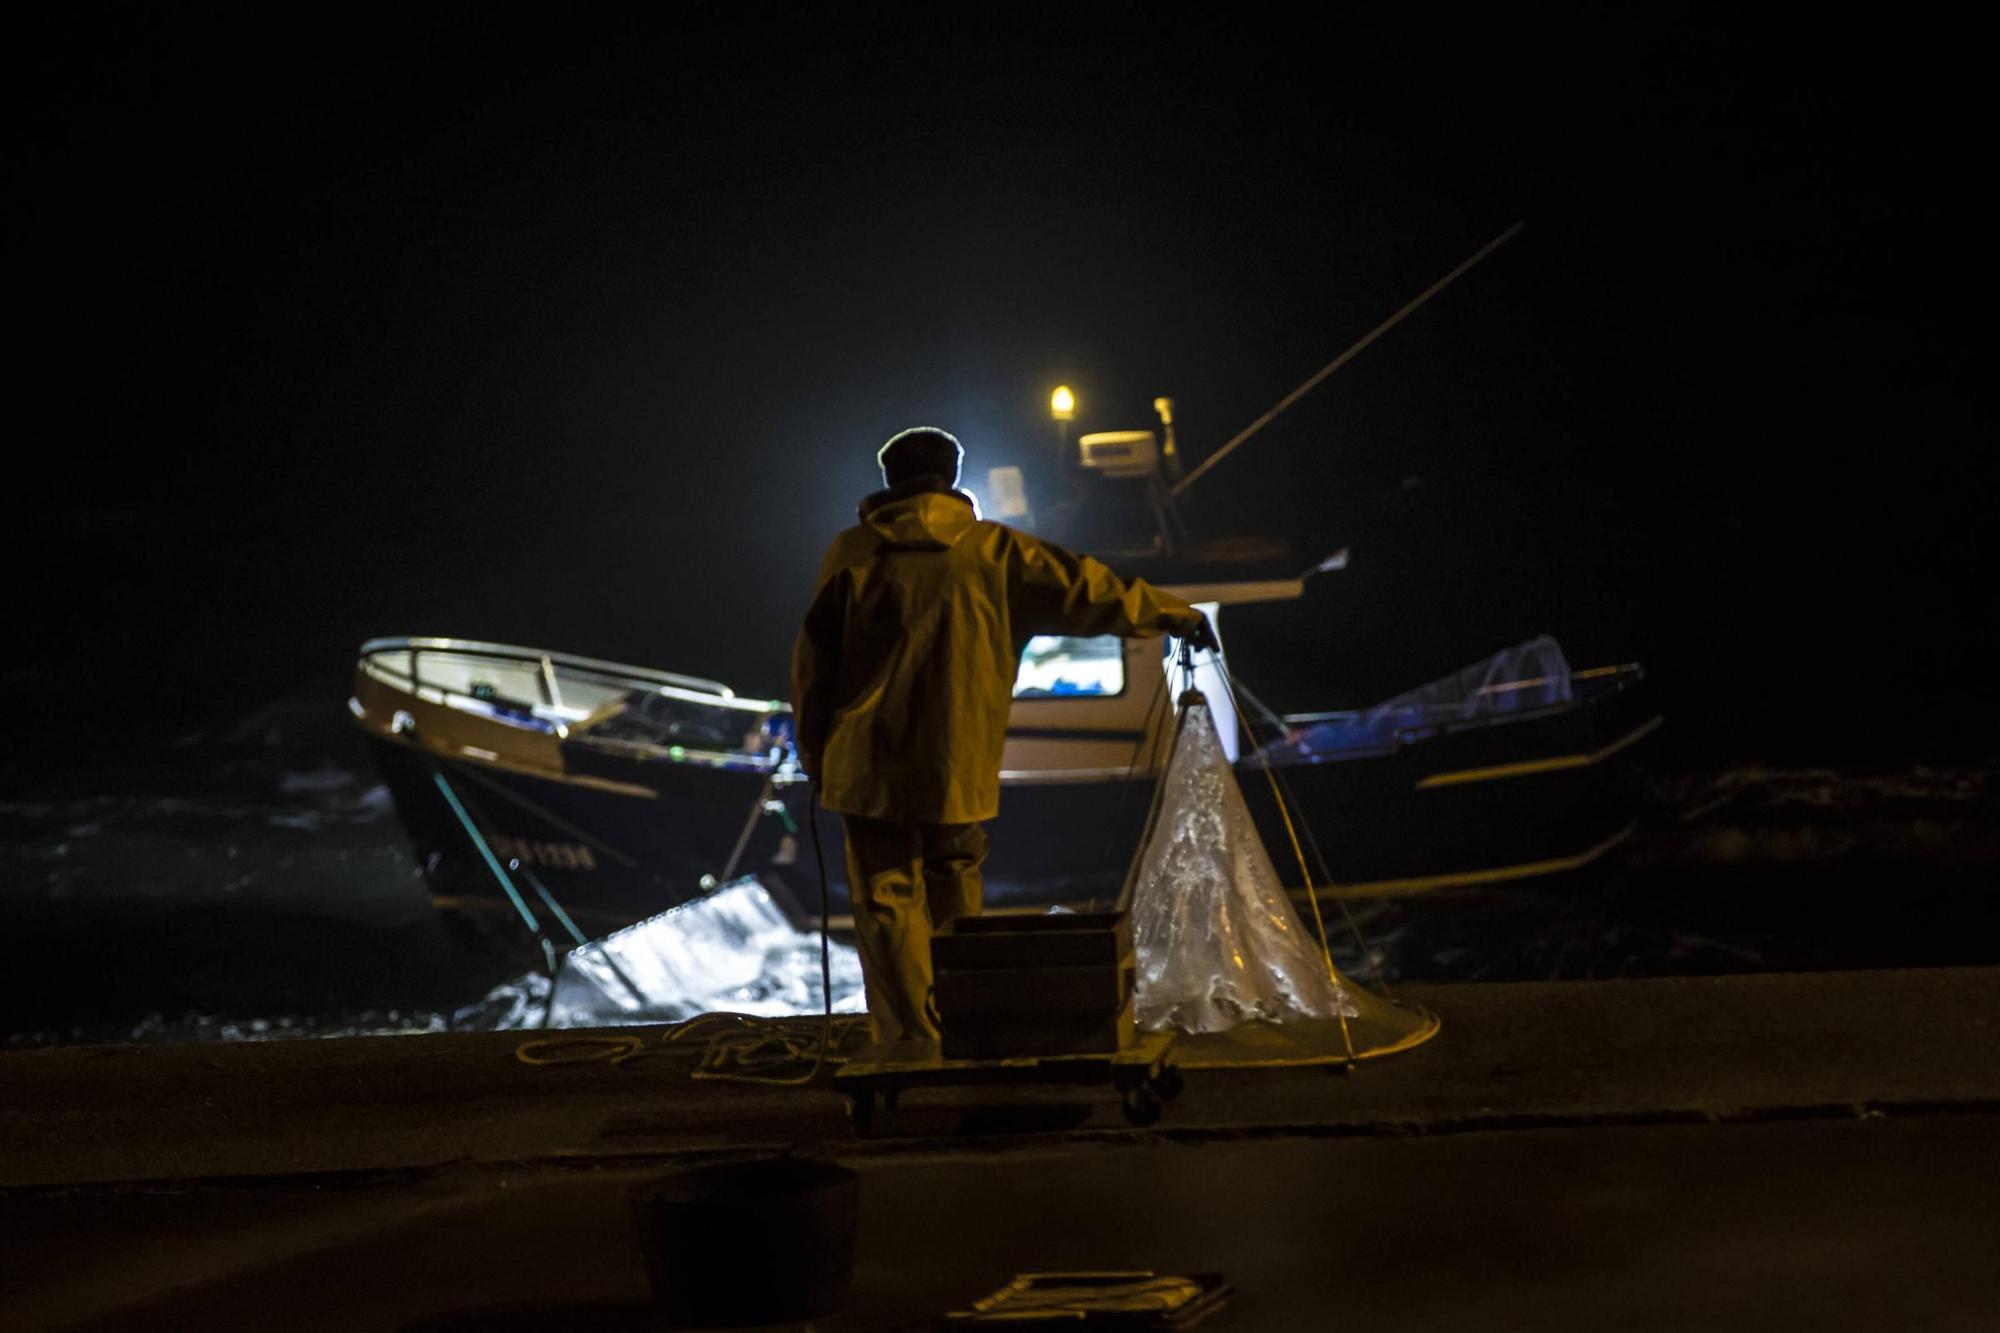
(1530,766)
(1396,888)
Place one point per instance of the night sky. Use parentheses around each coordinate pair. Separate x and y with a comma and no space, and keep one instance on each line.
(580,331)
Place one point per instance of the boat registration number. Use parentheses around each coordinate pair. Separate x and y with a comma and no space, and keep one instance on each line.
(551,855)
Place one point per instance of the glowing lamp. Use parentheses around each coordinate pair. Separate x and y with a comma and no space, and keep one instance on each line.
(1062,403)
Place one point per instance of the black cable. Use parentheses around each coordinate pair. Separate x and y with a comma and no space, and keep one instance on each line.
(1124,798)
(754,1043)
(1281,793)
(761,1043)
(825,934)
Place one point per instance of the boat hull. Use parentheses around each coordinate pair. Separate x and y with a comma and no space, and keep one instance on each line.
(608,857)
(543,787)
(1514,799)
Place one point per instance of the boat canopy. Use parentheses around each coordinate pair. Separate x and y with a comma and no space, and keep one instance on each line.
(1526,678)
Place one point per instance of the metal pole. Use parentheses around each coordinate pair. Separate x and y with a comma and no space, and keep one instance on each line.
(1345,357)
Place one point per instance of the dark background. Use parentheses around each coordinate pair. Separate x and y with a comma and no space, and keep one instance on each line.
(581,333)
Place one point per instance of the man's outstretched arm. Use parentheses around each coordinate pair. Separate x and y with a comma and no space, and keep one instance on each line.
(1056,591)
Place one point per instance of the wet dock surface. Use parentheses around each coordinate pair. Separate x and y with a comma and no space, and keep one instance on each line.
(1823,1225)
(1804,1150)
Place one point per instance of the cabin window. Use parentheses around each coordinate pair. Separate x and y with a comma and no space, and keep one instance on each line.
(1059,666)
(488,679)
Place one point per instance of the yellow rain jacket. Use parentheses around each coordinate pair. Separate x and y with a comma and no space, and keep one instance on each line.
(904,670)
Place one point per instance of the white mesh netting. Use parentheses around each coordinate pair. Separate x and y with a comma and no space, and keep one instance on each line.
(1217,940)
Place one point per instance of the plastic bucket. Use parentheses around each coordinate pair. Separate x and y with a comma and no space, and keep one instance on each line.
(753,1242)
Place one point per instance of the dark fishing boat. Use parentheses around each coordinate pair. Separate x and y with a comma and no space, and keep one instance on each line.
(539,783)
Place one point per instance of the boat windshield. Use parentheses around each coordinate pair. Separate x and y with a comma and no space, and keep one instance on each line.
(1057,666)
(665,720)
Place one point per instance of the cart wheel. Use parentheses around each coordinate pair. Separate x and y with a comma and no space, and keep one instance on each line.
(1169,1084)
(861,1112)
(1142,1106)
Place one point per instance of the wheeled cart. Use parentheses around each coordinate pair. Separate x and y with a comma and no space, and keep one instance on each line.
(1143,1073)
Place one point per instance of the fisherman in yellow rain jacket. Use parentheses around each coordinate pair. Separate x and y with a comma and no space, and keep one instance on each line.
(901,681)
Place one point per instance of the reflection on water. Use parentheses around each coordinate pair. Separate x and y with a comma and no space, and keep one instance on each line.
(253,884)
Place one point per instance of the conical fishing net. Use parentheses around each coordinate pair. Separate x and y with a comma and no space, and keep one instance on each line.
(1217,940)
(1220,947)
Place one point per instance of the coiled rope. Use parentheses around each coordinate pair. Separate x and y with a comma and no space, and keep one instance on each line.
(727,1047)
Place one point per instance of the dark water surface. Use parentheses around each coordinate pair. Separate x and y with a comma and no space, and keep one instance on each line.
(252,882)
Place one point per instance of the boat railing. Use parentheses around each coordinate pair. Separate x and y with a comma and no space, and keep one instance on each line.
(534,656)
(540,690)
